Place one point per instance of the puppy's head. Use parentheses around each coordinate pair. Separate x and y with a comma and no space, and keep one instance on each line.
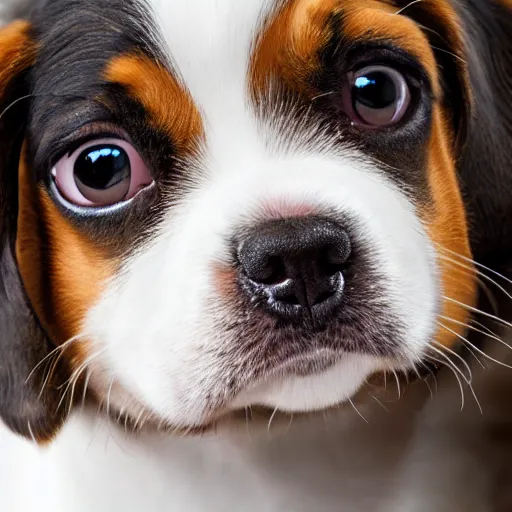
(205,207)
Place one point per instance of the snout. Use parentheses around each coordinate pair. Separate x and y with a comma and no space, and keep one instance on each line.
(297,265)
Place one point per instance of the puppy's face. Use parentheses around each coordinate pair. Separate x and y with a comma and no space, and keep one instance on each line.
(227,204)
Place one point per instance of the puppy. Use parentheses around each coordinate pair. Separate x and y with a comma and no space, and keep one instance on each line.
(223,214)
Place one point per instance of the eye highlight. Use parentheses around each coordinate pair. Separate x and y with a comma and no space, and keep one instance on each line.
(380,96)
(101,173)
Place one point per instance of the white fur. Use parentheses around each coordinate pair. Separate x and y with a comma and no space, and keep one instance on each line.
(155,326)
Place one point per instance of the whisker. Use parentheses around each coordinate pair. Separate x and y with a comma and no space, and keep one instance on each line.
(289,424)
(28,96)
(455,56)
(469,384)
(97,429)
(86,385)
(433,376)
(448,364)
(466,341)
(326,420)
(479,312)
(488,293)
(109,395)
(416,371)
(379,402)
(14,103)
(272,416)
(126,423)
(469,260)
(490,296)
(472,352)
(400,11)
(318,96)
(31,432)
(83,366)
(248,415)
(481,274)
(138,421)
(432,31)
(457,356)
(397,384)
(107,414)
(474,329)
(357,410)
(73,379)
(61,347)
(483,326)
(455,367)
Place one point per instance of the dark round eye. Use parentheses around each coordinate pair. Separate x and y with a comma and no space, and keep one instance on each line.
(380,95)
(101,173)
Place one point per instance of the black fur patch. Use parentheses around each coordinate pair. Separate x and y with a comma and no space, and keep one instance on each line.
(485,166)
(28,401)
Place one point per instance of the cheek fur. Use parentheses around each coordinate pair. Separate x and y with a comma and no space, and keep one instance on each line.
(448,228)
(225,282)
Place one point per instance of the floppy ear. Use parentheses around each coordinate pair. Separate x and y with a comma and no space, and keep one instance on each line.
(477,93)
(486,162)
(28,399)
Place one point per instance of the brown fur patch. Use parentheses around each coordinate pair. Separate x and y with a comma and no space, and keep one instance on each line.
(63,272)
(168,103)
(372,19)
(18,51)
(288,46)
(447,227)
(225,280)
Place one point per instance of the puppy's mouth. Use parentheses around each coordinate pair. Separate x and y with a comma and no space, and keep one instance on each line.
(303,365)
(300,366)
(249,402)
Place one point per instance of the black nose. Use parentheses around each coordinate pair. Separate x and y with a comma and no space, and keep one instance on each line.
(296,265)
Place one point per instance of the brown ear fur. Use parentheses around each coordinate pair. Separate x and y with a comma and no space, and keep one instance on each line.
(29,394)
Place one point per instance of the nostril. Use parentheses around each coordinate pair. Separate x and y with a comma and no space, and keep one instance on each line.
(261,266)
(333,259)
(275,271)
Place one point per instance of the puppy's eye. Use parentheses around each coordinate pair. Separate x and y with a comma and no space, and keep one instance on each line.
(380,96)
(100,173)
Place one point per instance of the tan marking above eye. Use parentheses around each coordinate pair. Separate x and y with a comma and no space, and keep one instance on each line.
(285,48)
(17,51)
(169,104)
(288,46)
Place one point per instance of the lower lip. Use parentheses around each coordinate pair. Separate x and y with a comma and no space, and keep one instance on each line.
(312,363)
(304,365)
